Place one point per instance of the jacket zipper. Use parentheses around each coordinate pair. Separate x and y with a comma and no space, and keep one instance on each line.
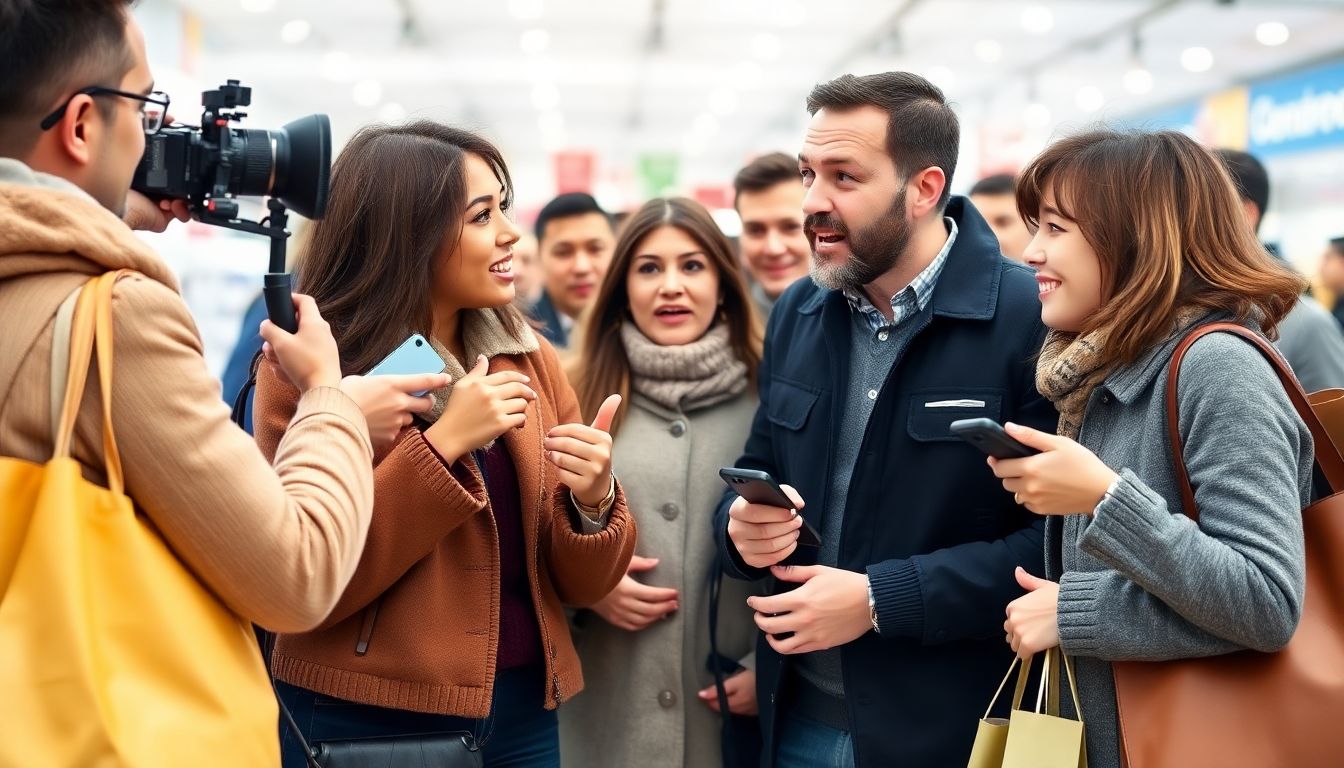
(542,506)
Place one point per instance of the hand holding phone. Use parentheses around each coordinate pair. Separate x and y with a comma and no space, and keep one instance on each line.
(764,524)
(990,437)
(414,355)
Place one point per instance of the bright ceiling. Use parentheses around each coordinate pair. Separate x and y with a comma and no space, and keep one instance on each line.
(715,81)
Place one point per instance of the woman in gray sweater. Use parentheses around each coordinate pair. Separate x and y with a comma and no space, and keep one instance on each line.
(673,331)
(1140,238)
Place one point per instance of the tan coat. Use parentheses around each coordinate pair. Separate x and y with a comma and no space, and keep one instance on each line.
(278,545)
(640,706)
(424,605)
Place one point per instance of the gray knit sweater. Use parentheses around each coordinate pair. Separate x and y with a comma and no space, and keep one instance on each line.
(1140,579)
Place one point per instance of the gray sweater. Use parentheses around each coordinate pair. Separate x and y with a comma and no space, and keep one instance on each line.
(1142,581)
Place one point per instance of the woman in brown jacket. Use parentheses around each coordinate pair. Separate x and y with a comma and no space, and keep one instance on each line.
(490,514)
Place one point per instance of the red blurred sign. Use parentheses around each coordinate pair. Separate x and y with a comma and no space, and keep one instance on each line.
(574,171)
(714,196)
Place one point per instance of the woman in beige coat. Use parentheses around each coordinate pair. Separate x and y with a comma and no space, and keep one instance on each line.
(673,330)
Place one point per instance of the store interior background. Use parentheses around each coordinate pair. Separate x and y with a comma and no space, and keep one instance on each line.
(630,99)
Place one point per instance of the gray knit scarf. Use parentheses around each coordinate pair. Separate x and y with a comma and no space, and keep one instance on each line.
(688,376)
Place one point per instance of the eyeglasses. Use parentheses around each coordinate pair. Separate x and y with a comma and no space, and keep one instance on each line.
(153,107)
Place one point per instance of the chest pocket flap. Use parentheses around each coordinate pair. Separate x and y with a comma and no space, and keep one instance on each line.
(933,411)
(790,403)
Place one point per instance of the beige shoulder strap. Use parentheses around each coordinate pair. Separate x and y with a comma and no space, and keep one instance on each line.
(60,357)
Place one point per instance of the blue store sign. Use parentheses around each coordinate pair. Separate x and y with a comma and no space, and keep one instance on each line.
(1300,112)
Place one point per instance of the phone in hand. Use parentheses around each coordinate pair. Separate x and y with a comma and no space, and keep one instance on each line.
(413,356)
(990,437)
(760,488)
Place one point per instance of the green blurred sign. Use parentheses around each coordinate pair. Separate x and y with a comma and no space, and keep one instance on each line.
(658,172)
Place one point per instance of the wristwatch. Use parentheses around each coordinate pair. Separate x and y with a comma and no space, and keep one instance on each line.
(872,608)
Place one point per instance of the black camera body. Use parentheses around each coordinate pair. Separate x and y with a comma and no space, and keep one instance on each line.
(209,164)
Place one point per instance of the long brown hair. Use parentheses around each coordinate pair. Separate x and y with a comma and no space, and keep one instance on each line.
(397,197)
(1167,226)
(599,366)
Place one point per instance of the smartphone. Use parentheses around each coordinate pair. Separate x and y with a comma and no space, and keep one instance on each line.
(415,355)
(760,488)
(988,436)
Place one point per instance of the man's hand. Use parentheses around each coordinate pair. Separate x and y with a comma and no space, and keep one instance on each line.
(765,535)
(828,610)
(741,690)
(150,216)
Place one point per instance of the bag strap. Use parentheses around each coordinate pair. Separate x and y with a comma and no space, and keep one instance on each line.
(1023,672)
(60,356)
(1327,455)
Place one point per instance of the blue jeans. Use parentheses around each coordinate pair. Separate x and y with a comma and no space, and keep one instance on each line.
(803,743)
(522,734)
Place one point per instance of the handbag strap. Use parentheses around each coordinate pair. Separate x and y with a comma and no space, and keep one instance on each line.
(1327,454)
(60,357)
(90,328)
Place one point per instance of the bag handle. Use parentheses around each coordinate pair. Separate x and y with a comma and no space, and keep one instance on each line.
(1327,454)
(1048,695)
(1021,688)
(90,328)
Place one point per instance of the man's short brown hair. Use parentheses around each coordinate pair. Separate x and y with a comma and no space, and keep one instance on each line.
(765,172)
(53,48)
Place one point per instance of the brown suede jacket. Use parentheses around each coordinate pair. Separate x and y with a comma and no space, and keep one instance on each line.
(418,627)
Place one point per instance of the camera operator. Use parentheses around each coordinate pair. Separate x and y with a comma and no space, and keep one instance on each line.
(276,545)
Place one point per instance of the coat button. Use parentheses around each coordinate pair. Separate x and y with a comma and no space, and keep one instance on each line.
(882,335)
(670,511)
(872,394)
(1105,398)
(667,699)
(678,428)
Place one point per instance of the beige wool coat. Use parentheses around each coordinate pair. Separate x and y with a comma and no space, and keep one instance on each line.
(639,705)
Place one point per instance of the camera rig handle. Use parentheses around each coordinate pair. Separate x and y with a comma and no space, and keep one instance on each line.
(276,284)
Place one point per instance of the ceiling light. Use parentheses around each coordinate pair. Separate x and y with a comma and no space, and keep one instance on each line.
(790,13)
(1037,19)
(943,77)
(1272,33)
(535,41)
(367,92)
(1138,81)
(989,51)
(258,6)
(1037,115)
(526,10)
(1197,59)
(295,31)
(706,125)
(338,66)
(1089,98)
(545,96)
(748,75)
(766,46)
(392,112)
(723,101)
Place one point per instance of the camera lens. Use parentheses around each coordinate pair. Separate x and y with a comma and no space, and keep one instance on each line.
(419,343)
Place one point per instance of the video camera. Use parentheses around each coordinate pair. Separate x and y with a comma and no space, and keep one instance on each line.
(211,164)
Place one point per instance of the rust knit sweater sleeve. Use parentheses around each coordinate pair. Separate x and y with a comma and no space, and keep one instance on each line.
(417,499)
(584,567)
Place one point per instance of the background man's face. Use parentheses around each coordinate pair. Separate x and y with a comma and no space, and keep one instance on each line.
(774,247)
(1001,213)
(575,253)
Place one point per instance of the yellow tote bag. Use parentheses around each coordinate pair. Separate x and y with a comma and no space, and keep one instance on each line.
(111,652)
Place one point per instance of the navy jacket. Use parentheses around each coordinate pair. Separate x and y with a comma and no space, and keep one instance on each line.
(926,518)
(545,312)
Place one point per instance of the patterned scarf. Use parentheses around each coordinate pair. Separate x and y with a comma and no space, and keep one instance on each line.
(1070,367)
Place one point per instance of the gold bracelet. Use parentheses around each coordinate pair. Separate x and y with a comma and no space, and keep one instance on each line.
(602,506)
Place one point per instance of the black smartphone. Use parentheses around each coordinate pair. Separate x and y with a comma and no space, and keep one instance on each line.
(988,436)
(760,488)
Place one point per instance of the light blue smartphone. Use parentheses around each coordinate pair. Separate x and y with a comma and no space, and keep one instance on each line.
(415,355)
